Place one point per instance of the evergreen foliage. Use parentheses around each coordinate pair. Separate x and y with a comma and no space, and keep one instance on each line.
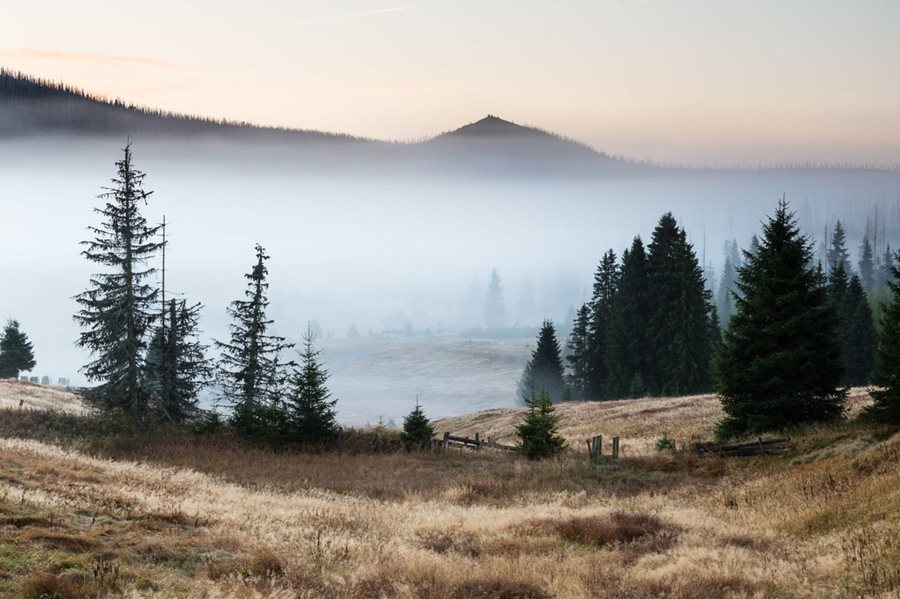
(116,311)
(780,362)
(250,373)
(545,367)
(606,283)
(177,366)
(539,430)
(16,351)
(627,342)
(724,296)
(867,266)
(858,333)
(679,321)
(579,356)
(310,412)
(887,361)
(494,306)
(417,430)
(838,256)
(754,246)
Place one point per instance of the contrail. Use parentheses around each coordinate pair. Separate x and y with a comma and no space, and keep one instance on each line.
(367,13)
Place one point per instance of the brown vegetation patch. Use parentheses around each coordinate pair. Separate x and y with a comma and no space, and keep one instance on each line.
(23,521)
(69,542)
(458,542)
(498,588)
(261,564)
(617,528)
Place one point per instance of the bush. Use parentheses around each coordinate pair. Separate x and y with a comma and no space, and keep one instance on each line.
(539,431)
(664,443)
(417,430)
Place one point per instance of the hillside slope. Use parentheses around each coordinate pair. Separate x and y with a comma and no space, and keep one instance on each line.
(638,422)
(30,396)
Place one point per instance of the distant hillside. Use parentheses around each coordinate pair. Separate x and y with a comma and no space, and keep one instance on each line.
(31,107)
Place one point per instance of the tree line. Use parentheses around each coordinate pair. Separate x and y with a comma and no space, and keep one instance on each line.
(798,331)
(650,327)
(146,358)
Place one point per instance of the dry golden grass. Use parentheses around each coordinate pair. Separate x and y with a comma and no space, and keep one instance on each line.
(639,423)
(20,394)
(203,517)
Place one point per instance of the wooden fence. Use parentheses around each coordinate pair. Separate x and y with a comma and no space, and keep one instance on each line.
(595,447)
(476,444)
(750,448)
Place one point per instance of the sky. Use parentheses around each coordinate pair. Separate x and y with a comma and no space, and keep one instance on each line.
(675,81)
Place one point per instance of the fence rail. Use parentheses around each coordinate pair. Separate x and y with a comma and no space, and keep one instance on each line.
(475,444)
(749,448)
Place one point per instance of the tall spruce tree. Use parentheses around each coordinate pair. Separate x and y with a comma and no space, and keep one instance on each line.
(545,368)
(626,351)
(885,272)
(494,306)
(858,334)
(177,366)
(579,357)
(754,246)
(679,321)
(867,265)
(117,310)
(250,373)
(838,256)
(310,409)
(887,360)
(16,351)
(606,283)
(780,363)
(724,296)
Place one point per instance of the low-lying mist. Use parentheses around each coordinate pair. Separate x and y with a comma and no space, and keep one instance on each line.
(404,254)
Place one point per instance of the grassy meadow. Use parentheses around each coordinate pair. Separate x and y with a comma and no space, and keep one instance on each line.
(88,513)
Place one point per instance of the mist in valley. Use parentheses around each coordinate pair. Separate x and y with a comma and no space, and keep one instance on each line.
(395,244)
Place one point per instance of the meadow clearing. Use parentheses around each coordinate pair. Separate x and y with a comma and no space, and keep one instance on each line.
(166,514)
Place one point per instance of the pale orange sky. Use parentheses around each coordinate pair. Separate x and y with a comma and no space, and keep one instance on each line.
(686,81)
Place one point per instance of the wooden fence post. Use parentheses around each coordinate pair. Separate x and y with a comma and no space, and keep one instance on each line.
(477,442)
(615,449)
(446,441)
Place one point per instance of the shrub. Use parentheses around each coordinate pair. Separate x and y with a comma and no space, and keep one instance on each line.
(665,443)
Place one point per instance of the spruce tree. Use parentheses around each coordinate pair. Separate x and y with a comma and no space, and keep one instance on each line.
(626,350)
(16,351)
(578,358)
(539,430)
(724,297)
(887,359)
(250,373)
(494,306)
(867,266)
(885,274)
(177,366)
(679,342)
(310,409)
(858,335)
(545,366)
(754,246)
(117,310)
(780,362)
(606,283)
(417,430)
(838,256)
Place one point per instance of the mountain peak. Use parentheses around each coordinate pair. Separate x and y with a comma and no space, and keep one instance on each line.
(494,126)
